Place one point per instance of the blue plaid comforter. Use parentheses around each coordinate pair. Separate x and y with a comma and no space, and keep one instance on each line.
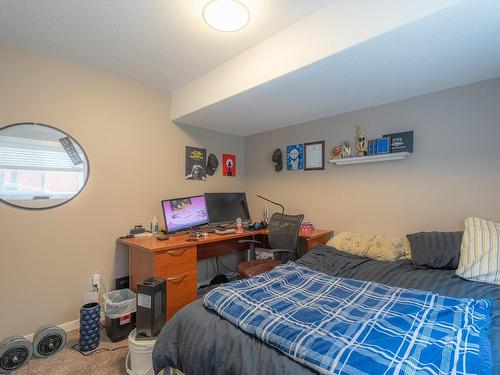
(345,326)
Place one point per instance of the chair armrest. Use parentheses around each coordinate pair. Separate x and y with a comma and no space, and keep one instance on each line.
(249,241)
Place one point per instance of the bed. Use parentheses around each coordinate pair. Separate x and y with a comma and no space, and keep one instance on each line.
(199,341)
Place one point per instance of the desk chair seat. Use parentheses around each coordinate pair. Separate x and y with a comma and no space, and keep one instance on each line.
(282,237)
(256,267)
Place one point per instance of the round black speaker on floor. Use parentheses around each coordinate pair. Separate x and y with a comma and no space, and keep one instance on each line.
(48,341)
(15,352)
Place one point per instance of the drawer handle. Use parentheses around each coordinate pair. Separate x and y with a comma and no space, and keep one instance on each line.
(177,252)
(177,279)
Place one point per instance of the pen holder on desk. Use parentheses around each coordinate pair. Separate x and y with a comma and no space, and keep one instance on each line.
(90,330)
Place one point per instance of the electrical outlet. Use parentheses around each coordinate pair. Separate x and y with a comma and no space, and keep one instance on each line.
(95,281)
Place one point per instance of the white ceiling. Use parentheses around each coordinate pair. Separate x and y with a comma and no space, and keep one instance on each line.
(162,43)
(298,60)
(454,46)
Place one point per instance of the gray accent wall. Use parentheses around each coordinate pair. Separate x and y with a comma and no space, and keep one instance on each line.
(453,173)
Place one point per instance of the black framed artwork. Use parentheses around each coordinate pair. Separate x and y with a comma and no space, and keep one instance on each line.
(314,156)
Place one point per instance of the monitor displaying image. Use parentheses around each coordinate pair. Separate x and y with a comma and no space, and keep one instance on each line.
(184,213)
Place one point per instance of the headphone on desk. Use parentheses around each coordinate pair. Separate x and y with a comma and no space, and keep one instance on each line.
(258,225)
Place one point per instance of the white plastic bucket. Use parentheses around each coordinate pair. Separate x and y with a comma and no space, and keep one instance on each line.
(140,353)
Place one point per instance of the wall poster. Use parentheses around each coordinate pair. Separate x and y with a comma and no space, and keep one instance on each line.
(196,161)
(229,165)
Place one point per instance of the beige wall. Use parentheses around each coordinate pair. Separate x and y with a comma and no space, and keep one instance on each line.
(453,173)
(136,159)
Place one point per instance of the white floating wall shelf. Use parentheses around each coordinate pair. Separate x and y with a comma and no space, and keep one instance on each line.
(371,158)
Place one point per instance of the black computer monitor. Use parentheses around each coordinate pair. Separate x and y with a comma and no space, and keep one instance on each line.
(184,213)
(225,208)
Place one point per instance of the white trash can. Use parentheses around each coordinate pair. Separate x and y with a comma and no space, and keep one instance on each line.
(140,355)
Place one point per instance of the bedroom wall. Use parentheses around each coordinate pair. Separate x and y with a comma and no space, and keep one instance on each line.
(453,173)
(136,159)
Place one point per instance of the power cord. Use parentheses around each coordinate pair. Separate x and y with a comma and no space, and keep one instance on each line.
(86,354)
(97,350)
(223,265)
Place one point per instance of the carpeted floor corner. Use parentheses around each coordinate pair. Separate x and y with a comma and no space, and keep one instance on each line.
(70,362)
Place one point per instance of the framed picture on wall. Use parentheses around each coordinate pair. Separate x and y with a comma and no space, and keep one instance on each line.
(295,157)
(314,156)
(229,165)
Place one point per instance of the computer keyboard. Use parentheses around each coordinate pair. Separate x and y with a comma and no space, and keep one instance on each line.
(225,231)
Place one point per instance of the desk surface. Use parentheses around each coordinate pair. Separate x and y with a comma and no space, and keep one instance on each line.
(152,244)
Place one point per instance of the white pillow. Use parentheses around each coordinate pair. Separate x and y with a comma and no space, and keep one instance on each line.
(372,246)
(480,251)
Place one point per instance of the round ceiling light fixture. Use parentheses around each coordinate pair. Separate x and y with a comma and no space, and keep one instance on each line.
(226,15)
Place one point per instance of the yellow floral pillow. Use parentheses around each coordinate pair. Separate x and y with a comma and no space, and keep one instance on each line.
(357,243)
(372,246)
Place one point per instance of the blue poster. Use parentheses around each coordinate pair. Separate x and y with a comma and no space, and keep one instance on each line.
(295,157)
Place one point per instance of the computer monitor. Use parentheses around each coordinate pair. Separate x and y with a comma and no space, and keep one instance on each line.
(184,213)
(225,208)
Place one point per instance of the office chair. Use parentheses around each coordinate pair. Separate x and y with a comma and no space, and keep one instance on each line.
(282,237)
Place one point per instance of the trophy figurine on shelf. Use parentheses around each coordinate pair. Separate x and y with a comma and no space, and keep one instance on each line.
(362,144)
(346,149)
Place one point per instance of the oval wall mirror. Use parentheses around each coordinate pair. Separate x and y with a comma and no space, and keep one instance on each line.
(40,166)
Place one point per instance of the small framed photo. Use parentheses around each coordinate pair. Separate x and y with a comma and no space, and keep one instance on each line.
(314,156)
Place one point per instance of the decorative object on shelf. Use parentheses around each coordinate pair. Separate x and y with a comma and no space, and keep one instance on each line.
(196,160)
(401,142)
(295,157)
(346,149)
(212,164)
(383,145)
(379,146)
(278,160)
(372,146)
(229,165)
(90,330)
(337,152)
(314,156)
(362,144)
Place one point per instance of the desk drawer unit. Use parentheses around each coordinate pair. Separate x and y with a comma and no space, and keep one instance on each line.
(181,290)
(175,262)
(178,267)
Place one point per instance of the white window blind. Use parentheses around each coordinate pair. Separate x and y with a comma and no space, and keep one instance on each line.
(28,159)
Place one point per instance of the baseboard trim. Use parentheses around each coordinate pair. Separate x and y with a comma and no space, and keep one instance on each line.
(67,327)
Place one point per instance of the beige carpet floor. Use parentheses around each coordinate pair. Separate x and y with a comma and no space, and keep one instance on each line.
(70,362)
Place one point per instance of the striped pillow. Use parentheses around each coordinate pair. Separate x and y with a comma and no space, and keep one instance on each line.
(480,251)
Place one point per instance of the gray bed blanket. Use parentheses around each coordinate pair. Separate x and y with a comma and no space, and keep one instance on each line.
(197,341)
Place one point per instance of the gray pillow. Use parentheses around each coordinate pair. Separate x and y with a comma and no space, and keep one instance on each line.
(439,250)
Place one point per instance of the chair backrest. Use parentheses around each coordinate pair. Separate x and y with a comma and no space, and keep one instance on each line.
(284,231)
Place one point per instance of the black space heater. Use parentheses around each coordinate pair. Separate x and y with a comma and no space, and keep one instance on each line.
(151,308)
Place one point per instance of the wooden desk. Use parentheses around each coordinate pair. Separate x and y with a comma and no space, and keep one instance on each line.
(175,259)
